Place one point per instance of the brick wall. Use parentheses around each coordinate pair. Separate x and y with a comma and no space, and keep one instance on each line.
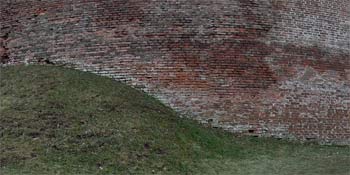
(262,67)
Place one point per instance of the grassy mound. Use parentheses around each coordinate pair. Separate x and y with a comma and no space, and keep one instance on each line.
(61,121)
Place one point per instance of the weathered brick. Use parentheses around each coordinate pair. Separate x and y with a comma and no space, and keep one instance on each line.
(264,67)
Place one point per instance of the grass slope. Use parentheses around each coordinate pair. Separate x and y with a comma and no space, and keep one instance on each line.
(62,121)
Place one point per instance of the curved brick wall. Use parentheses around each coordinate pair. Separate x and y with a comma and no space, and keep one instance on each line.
(265,67)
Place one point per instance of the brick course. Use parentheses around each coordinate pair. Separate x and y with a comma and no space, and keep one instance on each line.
(262,67)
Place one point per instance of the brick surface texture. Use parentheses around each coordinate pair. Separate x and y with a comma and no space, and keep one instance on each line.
(261,67)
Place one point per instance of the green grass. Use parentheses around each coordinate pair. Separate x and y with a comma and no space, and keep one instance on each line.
(61,121)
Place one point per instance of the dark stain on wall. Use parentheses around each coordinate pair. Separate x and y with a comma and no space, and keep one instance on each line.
(119,12)
(4,55)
